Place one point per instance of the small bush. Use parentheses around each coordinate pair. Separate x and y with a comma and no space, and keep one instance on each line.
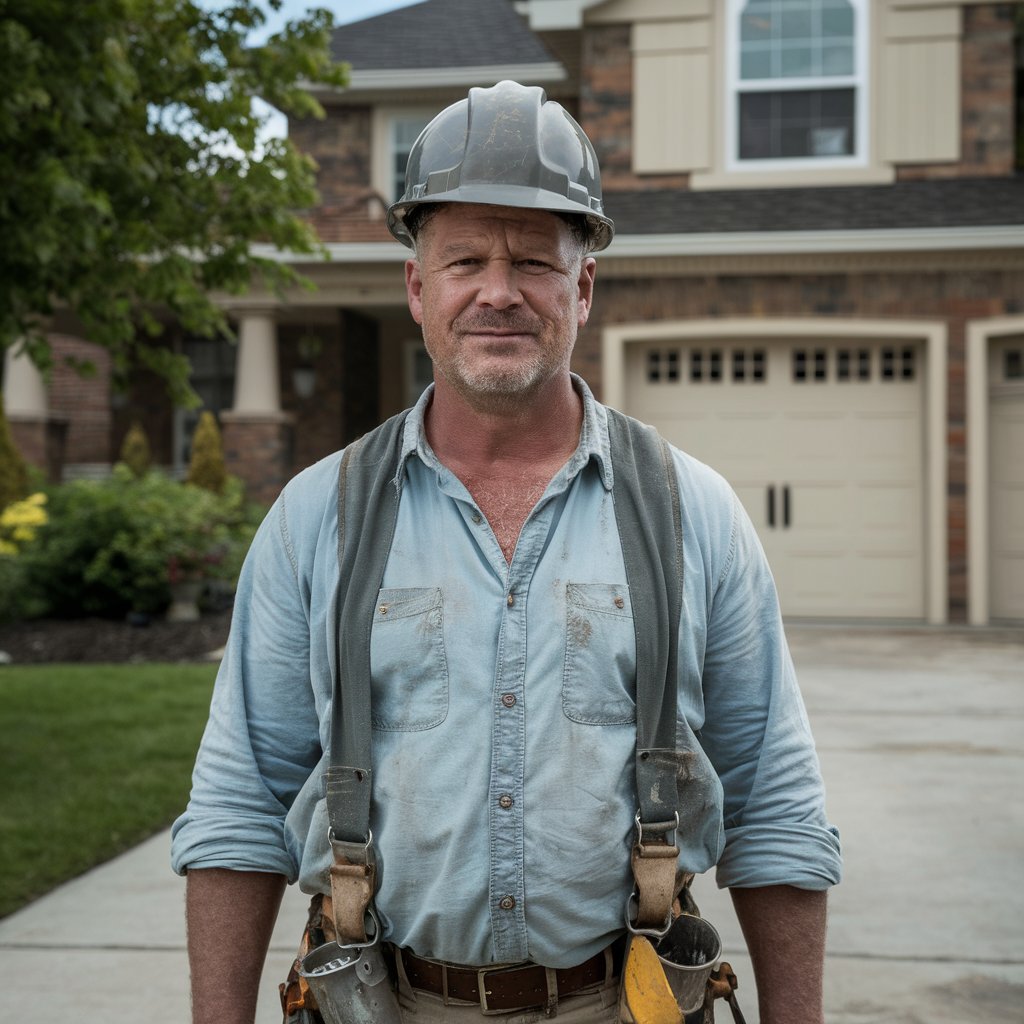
(115,546)
(206,467)
(135,451)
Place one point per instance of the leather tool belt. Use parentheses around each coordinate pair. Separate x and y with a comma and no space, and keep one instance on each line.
(504,989)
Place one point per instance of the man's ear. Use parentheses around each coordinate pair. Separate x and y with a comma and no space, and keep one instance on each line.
(414,289)
(585,289)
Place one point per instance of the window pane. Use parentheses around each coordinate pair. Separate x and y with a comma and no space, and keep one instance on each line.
(837,60)
(756,63)
(797,61)
(756,22)
(404,132)
(802,123)
(803,38)
(837,20)
(796,21)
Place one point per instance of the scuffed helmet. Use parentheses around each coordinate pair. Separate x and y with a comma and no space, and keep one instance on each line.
(505,146)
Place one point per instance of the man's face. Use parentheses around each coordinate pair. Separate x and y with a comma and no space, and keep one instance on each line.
(500,294)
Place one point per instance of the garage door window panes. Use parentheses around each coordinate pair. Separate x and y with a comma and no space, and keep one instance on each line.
(847,365)
(706,365)
(797,77)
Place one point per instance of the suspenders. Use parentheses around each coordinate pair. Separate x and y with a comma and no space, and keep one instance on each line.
(647,513)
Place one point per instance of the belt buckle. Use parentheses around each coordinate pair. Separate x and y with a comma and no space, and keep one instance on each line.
(481,988)
(481,991)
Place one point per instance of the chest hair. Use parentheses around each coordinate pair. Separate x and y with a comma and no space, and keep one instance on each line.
(506,503)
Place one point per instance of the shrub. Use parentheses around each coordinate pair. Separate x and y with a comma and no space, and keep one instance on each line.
(135,452)
(13,471)
(206,467)
(111,547)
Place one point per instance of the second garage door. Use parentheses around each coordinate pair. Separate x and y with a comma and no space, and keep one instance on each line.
(823,443)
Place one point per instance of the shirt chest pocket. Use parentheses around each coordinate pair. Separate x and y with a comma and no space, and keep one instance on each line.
(407,660)
(599,679)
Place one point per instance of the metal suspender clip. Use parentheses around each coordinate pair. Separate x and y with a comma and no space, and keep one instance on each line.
(654,873)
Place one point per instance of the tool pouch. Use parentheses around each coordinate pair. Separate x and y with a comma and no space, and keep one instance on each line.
(337,984)
(298,1004)
(672,978)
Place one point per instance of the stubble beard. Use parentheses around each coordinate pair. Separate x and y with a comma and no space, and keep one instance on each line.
(502,387)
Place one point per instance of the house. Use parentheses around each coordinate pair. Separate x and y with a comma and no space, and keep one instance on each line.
(816,285)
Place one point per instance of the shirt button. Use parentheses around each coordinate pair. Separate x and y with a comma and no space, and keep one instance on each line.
(511,599)
(477,518)
(619,603)
(508,699)
(507,902)
(505,801)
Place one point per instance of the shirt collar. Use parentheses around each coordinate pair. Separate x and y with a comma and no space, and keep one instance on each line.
(593,444)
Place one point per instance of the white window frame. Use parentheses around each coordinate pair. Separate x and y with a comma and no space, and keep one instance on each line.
(858,81)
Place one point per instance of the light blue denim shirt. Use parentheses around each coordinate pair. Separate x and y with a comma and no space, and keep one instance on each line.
(504,711)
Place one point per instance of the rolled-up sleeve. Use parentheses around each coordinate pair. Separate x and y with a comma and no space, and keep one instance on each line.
(262,738)
(757,734)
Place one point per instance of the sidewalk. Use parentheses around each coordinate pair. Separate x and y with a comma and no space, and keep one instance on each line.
(921,735)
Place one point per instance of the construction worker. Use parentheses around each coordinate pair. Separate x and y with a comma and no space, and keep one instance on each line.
(507,732)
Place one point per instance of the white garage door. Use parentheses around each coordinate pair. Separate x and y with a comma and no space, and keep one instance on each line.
(824,444)
(1006,475)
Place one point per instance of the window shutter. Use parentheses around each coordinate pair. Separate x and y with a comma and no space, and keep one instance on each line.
(672,96)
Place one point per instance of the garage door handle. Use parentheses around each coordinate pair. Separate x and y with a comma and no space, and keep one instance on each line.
(785,505)
(771,505)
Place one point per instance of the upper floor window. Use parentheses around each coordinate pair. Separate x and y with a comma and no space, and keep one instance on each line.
(797,83)
(405,129)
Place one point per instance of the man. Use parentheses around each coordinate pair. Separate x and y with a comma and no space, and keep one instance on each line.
(503,648)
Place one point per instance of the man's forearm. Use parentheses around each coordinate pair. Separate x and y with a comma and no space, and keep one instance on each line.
(785,932)
(230,916)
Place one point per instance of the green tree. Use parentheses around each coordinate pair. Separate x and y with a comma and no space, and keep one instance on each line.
(134,179)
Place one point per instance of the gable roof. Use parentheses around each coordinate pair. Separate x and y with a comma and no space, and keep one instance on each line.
(440,33)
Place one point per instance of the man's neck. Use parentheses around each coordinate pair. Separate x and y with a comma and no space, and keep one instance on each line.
(540,432)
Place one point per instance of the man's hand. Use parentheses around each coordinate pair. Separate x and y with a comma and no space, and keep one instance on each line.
(785,932)
(230,917)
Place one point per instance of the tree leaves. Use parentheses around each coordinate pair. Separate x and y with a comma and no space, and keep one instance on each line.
(132,179)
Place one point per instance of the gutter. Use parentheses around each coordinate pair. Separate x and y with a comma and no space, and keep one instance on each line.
(728,243)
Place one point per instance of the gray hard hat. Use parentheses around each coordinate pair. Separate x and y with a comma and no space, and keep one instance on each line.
(505,146)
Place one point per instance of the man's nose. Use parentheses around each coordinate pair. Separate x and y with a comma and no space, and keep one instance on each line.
(498,286)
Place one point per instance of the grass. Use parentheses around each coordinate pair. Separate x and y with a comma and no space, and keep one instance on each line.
(93,759)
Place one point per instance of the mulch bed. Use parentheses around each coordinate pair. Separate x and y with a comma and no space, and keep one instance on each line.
(105,640)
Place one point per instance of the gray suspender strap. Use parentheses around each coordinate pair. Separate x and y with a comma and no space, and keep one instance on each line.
(369,485)
(647,513)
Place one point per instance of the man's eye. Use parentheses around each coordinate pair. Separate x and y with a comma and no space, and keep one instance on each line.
(533,266)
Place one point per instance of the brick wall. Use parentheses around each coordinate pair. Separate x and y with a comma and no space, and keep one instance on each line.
(85,401)
(340,144)
(953,296)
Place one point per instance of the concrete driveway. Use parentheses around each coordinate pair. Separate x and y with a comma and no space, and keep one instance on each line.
(921,736)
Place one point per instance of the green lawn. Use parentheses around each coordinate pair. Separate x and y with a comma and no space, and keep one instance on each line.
(93,759)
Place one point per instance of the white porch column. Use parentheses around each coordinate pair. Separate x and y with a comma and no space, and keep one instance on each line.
(24,387)
(257,388)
